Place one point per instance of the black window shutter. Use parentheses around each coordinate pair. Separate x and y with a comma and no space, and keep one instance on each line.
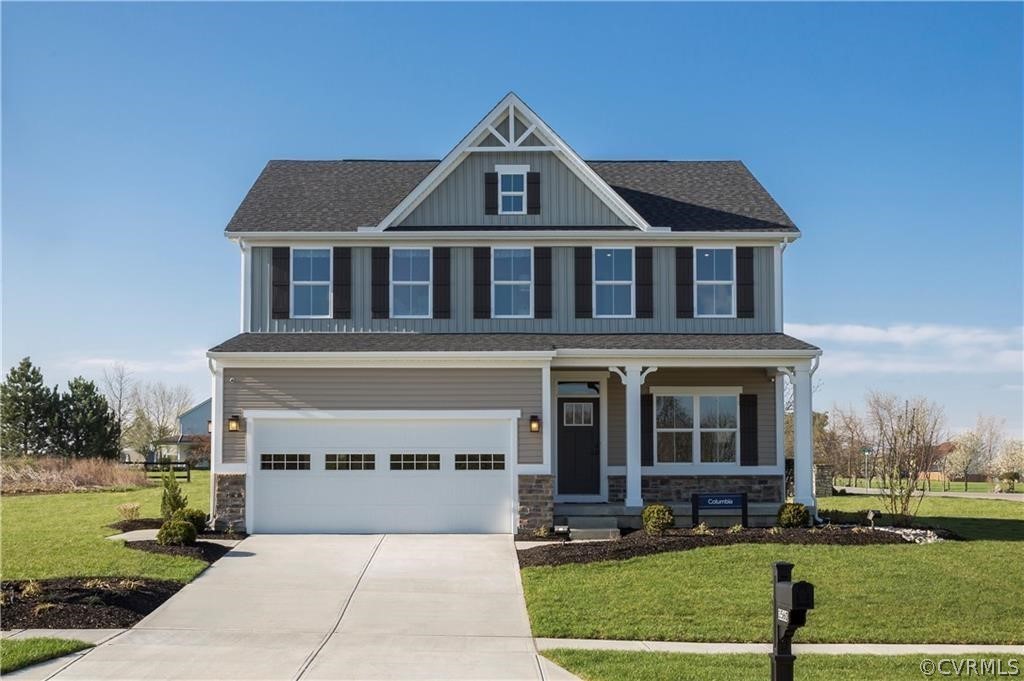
(482,282)
(280,306)
(442,283)
(533,193)
(684,282)
(748,430)
(380,274)
(490,193)
(647,430)
(542,282)
(584,299)
(342,283)
(644,282)
(744,282)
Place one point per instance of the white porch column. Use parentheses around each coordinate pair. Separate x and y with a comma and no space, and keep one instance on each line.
(803,444)
(633,377)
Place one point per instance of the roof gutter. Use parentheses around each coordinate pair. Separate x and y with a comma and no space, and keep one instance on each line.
(547,236)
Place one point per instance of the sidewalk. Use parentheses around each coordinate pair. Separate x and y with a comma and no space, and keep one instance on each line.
(805,648)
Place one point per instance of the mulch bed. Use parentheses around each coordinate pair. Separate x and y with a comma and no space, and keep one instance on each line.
(642,544)
(82,602)
(137,524)
(201,550)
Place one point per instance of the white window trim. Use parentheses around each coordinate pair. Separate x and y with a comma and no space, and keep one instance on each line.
(697,282)
(594,282)
(696,393)
(329,282)
(495,283)
(429,282)
(512,170)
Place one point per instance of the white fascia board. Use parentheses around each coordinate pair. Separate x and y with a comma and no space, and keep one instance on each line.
(384,414)
(382,360)
(553,237)
(691,358)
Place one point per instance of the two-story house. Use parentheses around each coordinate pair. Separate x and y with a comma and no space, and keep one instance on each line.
(502,337)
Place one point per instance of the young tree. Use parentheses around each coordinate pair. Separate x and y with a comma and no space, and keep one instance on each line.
(965,457)
(117,388)
(1009,465)
(905,433)
(26,410)
(87,427)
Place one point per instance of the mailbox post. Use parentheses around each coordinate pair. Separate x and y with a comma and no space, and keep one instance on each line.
(791,601)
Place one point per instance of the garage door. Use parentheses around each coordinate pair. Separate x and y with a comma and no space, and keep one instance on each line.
(382,475)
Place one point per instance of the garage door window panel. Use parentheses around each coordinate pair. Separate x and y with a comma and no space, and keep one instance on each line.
(284,462)
(349,462)
(415,462)
(479,462)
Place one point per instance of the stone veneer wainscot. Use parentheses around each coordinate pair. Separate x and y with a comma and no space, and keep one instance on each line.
(229,501)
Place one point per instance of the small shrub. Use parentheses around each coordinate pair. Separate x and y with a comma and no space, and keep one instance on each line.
(793,515)
(129,511)
(657,518)
(735,529)
(542,531)
(43,607)
(844,517)
(131,584)
(176,533)
(230,533)
(173,500)
(193,516)
(96,584)
(702,530)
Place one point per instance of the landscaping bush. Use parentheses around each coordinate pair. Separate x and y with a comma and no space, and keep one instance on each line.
(129,511)
(48,474)
(193,516)
(658,518)
(844,517)
(176,533)
(793,515)
(173,500)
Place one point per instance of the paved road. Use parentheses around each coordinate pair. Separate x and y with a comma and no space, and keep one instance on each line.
(337,607)
(939,493)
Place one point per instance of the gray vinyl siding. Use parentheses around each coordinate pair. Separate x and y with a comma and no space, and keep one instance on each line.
(563,302)
(564,200)
(752,381)
(384,389)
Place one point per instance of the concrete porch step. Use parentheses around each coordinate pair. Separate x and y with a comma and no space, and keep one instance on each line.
(594,533)
(592,522)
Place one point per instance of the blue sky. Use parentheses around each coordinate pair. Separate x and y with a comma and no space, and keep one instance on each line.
(891,133)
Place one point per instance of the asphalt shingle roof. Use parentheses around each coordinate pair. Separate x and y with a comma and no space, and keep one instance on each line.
(320,196)
(502,342)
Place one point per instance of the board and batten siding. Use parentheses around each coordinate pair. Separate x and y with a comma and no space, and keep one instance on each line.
(384,389)
(751,380)
(563,318)
(564,200)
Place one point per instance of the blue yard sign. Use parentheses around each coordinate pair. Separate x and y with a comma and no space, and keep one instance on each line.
(707,502)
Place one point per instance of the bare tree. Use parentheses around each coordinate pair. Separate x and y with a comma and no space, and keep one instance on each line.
(905,434)
(850,434)
(117,388)
(155,414)
(990,434)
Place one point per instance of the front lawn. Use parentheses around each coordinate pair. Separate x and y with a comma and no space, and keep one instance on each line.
(949,592)
(15,654)
(62,535)
(606,665)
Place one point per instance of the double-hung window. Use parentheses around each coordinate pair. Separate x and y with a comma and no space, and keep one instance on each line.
(311,282)
(702,427)
(512,283)
(613,282)
(410,282)
(715,282)
(512,190)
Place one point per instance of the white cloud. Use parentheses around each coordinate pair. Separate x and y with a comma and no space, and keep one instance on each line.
(916,349)
(181,362)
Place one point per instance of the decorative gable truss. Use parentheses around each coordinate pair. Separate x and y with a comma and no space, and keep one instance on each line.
(513,126)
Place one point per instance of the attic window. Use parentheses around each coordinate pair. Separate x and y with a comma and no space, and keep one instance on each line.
(512,189)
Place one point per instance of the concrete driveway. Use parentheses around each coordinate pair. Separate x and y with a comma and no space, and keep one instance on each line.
(338,607)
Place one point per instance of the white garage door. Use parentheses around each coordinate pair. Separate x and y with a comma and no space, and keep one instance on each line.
(382,475)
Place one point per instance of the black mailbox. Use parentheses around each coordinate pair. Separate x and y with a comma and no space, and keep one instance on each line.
(791,602)
(794,596)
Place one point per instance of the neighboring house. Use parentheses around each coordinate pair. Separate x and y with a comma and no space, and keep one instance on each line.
(504,337)
(194,428)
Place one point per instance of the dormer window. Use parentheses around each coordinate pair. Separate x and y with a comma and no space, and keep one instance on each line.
(512,189)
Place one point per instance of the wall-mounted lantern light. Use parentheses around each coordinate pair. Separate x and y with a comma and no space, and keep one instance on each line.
(234,424)
(209,426)
(534,424)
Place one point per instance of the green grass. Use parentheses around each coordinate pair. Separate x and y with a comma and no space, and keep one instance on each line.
(62,535)
(936,486)
(949,592)
(606,665)
(15,654)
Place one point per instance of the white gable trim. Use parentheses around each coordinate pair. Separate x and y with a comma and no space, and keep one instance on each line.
(511,105)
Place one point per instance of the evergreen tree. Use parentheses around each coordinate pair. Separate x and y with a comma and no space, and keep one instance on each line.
(27,407)
(86,425)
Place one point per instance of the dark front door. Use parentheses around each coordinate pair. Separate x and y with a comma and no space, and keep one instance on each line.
(579,446)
